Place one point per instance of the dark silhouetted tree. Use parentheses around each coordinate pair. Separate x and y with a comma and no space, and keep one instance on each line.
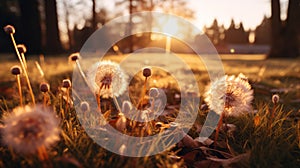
(235,35)
(30,25)
(53,43)
(94,15)
(263,32)
(9,16)
(285,35)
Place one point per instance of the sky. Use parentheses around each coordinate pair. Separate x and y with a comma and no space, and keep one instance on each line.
(250,12)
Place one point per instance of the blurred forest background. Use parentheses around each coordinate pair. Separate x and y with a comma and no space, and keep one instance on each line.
(39,27)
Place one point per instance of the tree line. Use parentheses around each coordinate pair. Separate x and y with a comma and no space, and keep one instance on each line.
(37,24)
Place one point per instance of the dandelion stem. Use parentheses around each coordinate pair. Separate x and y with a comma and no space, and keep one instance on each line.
(82,73)
(24,60)
(24,69)
(116,103)
(140,104)
(43,156)
(44,99)
(218,128)
(99,101)
(20,90)
(67,101)
(272,115)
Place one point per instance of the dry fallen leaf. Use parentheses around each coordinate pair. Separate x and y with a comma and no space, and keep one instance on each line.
(242,159)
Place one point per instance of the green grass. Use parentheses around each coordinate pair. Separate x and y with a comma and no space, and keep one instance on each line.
(268,146)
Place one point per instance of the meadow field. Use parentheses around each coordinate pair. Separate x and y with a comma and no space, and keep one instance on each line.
(250,140)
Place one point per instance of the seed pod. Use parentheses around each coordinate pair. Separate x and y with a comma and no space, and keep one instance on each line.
(126,107)
(74,57)
(121,122)
(15,70)
(21,48)
(275,98)
(159,124)
(153,92)
(44,87)
(66,83)
(146,72)
(85,106)
(9,29)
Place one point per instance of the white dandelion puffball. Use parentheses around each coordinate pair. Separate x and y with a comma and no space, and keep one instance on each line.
(107,79)
(230,95)
(28,128)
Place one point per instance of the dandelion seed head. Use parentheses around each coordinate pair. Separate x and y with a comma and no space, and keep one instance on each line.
(107,79)
(44,87)
(66,83)
(9,29)
(146,72)
(126,107)
(230,95)
(26,129)
(153,92)
(16,70)
(275,98)
(21,48)
(85,106)
(73,57)
(158,124)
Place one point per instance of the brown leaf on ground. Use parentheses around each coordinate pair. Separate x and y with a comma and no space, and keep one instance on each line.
(207,163)
(188,141)
(241,160)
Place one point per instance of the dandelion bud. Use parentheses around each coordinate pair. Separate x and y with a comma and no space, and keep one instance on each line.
(126,107)
(66,83)
(122,149)
(85,106)
(9,29)
(74,57)
(275,98)
(15,70)
(21,48)
(146,72)
(153,92)
(121,122)
(159,124)
(44,87)
(173,125)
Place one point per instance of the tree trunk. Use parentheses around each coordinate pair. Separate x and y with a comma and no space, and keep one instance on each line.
(290,45)
(276,24)
(94,21)
(130,27)
(30,25)
(284,40)
(53,43)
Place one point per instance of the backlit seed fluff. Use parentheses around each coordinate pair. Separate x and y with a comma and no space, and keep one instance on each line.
(16,70)
(85,106)
(9,29)
(126,107)
(29,128)
(74,57)
(107,79)
(44,87)
(275,98)
(230,95)
(146,72)
(66,83)
(21,48)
